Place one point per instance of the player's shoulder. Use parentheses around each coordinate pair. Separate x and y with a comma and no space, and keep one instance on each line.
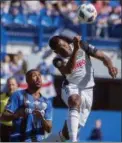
(47,100)
(86,44)
(18,93)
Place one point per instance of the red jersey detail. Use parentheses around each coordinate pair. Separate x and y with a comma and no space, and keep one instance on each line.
(79,64)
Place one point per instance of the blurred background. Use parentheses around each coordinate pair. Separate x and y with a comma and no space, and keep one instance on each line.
(26,27)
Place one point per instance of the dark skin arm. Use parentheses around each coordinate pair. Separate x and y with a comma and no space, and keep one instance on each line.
(47,124)
(9,116)
(107,62)
(68,68)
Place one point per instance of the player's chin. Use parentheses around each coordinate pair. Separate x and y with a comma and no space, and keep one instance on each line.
(38,85)
(66,55)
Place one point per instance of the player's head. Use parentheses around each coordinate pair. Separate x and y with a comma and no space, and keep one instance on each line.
(33,79)
(98,123)
(12,85)
(60,46)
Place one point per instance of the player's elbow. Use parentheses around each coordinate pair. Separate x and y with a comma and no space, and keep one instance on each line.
(48,129)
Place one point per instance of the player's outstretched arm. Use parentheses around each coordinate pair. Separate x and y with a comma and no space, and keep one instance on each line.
(9,116)
(107,62)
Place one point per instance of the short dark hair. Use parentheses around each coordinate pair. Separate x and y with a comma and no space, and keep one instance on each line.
(54,40)
(29,72)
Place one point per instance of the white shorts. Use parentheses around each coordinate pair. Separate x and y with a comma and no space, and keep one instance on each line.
(86,100)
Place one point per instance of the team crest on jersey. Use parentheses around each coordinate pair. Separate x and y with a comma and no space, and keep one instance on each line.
(80,54)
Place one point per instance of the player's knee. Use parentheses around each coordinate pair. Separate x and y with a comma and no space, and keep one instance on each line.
(74,101)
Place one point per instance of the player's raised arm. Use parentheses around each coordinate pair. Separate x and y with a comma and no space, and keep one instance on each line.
(94,52)
(107,62)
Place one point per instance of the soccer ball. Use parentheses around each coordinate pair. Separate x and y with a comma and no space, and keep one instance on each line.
(87,13)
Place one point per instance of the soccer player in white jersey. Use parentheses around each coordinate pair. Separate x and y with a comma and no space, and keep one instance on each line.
(73,61)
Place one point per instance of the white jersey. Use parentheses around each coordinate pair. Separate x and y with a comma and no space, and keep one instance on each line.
(83,73)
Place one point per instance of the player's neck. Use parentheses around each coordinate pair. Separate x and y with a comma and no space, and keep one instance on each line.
(36,93)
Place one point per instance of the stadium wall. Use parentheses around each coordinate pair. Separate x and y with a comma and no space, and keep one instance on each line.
(111,125)
(107,94)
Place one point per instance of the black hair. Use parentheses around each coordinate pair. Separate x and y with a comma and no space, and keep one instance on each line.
(54,40)
(29,72)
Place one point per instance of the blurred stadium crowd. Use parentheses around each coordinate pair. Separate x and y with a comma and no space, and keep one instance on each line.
(59,13)
(19,15)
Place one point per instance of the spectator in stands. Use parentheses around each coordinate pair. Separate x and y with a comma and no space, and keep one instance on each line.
(22,62)
(67,10)
(96,134)
(4,7)
(15,5)
(102,20)
(48,89)
(32,6)
(5,68)
(16,68)
(15,11)
(98,5)
(115,16)
(6,127)
(52,16)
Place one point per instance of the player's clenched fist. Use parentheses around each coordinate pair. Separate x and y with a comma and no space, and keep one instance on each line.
(113,71)
(76,42)
(76,39)
(37,113)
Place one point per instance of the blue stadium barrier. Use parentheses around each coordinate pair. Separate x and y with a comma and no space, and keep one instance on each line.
(20,19)
(111,124)
(33,20)
(6,19)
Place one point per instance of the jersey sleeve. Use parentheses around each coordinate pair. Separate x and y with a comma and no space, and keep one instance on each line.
(57,62)
(89,49)
(13,103)
(49,111)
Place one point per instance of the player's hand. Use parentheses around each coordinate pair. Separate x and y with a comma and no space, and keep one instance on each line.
(113,71)
(20,113)
(37,113)
(76,42)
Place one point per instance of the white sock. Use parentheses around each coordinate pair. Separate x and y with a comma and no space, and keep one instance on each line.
(55,138)
(72,123)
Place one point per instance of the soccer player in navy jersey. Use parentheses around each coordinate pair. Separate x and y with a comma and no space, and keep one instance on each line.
(30,112)
(73,61)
